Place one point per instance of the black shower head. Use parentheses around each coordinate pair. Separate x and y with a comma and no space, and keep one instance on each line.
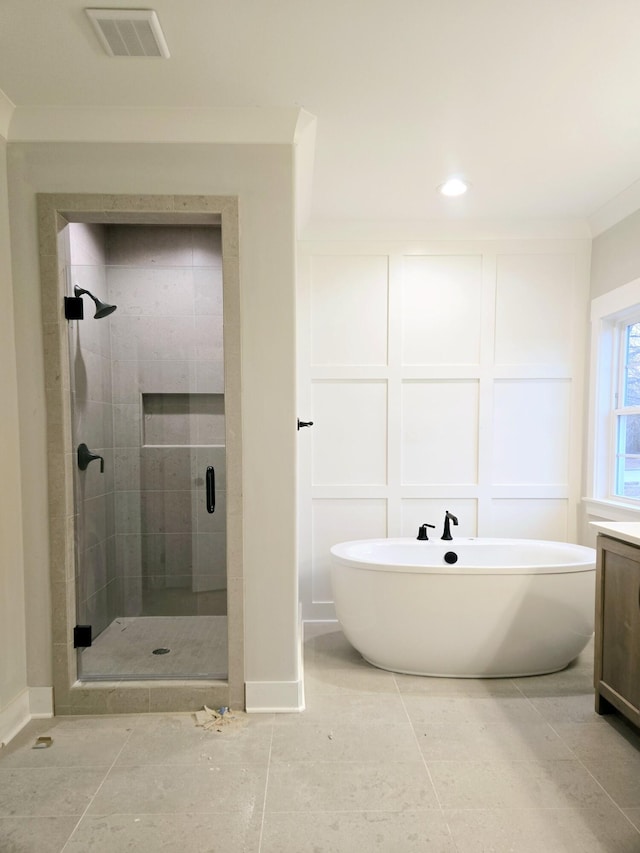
(103,309)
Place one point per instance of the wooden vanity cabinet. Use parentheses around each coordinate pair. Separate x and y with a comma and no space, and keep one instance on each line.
(617,634)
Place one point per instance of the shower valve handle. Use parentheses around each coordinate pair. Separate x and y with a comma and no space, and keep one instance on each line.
(85,456)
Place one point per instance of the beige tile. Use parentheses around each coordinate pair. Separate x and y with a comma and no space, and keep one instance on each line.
(149,833)
(571,708)
(456,741)
(100,698)
(620,777)
(515,784)
(190,697)
(355,832)
(138,202)
(348,680)
(72,745)
(326,786)
(356,709)
(601,739)
(335,741)
(634,816)
(600,830)
(425,710)
(35,834)
(472,687)
(178,740)
(178,789)
(48,791)
(201,203)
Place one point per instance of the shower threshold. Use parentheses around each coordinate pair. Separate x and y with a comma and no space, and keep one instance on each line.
(194,648)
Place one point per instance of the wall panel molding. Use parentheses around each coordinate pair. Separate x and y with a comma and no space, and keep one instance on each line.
(489,426)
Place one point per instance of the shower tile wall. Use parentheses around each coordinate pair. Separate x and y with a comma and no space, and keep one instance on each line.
(98,591)
(168,387)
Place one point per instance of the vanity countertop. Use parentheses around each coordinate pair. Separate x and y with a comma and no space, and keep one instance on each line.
(627,531)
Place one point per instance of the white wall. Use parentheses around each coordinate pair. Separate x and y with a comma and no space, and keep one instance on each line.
(14,705)
(262,177)
(438,376)
(615,256)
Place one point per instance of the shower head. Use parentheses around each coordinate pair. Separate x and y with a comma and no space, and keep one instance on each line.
(103,309)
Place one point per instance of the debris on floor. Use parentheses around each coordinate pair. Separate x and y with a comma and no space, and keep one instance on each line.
(42,743)
(220,719)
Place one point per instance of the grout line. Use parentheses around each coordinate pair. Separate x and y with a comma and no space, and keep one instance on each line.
(266,784)
(99,788)
(424,761)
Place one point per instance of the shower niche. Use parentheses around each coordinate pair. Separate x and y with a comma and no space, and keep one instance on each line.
(147,396)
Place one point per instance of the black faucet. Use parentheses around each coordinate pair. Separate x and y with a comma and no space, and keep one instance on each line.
(422,532)
(446,533)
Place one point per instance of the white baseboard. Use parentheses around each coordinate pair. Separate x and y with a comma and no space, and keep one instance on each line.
(14,716)
(274,696)
(41,702)
(31,703)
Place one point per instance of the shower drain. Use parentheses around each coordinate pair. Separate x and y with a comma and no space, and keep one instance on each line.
(160,651)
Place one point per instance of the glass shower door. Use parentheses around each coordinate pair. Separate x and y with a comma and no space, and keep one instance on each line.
(148,405)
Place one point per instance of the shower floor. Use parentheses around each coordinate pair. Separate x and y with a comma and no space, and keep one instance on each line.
(124,650)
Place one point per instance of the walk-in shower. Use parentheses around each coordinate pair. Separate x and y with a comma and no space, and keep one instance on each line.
(147,395)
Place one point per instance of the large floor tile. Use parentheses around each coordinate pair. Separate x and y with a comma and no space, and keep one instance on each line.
(192,833)
(601,739)
(335,741)
(515,784)
(177,740)
(490,741)
(325,786)
(48,791)
(601,830)
(634,817)
(357,708)
(620,778)
(73,743)
(473,687)
(348,680)
(570,708)
(35,834)
(181,790)
(480,710)
(345,832)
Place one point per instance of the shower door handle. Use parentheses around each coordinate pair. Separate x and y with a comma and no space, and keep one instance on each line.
(211,489)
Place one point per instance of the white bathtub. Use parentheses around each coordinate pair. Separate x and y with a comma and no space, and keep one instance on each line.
(506,607)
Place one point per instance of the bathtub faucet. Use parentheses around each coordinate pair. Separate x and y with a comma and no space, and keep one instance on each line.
(446,533)
(422,532)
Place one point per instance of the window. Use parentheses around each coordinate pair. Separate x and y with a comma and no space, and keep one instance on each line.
(625,481)
(613,442)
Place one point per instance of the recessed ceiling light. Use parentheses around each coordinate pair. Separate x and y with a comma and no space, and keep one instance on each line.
(453,187)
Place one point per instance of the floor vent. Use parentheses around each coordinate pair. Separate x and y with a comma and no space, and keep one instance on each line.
(129,32)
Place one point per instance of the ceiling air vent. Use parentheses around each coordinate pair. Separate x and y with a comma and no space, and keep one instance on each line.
(129,32)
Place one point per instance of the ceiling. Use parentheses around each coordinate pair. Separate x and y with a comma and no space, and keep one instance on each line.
(536,103)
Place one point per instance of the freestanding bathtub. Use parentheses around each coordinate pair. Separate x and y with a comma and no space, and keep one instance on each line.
(469,608)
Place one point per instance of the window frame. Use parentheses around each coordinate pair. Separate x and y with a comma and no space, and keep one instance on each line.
(618,409)
(607,312)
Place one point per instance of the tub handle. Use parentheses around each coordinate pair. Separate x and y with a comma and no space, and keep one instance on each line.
(422,532)
(211,489)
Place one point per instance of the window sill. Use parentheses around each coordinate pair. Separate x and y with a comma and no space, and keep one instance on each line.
(609,510)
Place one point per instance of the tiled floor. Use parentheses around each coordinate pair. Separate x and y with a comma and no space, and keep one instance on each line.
(125,648)
(378,762)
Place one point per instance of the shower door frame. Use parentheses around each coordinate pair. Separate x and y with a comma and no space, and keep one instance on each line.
(55,213)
